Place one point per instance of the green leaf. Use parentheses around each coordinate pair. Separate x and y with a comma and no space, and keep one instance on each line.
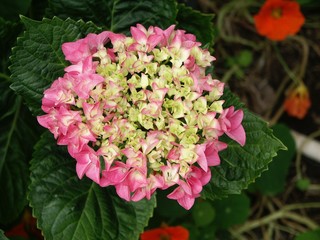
(272,182)
(69,208)
(231,211)
(37,60)
(38,8)
(126,13)
(303,184)
(8,34)
(203,213)
(10,9)
(308,3)
(203,233)
(309,235)
(195,22)
(2,236)
(167,208)
(97,11)
(240,166)
(16,143)
(116,15)
(244,58)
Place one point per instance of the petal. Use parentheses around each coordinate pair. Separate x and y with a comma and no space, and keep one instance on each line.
(81,169)
(116,175)
(202,158)
(236,118)
(153,41)
(177,193)
(136,180)
(105,181)
(178,232)
(213,159)
(76,51)
(212,150)
(186,202)
(153,234)
(186,187)
(205,178)
(195,184)
(238,135)
(138,195)
(123,191)
(138,35)
(93,172)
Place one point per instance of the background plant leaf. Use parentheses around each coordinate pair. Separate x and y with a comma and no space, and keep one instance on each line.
(273,181)
(200,24)
(232,210)
(37,9)
(309,235)
(9,31)
(240,166)
(116,15)
(10,9)
(203,213)
(69,208)
(18,135)
(168,209)
(37,60)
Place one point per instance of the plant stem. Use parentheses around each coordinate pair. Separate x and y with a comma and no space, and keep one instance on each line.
(301,219)
(269,232)
(285,66)
(258,222)
(227,76)
(239,236)
(276,116)
(305,55)
(285,212)
(5,76)
(314,187)
(296,206)
(229,8)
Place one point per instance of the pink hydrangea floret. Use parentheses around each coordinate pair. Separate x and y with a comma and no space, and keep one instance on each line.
(140,113)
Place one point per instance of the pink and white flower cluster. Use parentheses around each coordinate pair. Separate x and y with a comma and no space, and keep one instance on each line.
(140,113)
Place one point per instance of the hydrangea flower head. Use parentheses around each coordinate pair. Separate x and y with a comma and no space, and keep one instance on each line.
(140,113)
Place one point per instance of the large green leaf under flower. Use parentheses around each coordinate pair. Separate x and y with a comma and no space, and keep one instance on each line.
(69,208)
(116,15)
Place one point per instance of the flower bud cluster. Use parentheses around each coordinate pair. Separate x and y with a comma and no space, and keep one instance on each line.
(140,113)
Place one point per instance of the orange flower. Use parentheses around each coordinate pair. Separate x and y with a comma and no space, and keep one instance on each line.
(166,233)
(279,18)
(298,102)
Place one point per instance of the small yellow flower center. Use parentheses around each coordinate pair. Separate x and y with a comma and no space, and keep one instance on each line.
(276,13)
